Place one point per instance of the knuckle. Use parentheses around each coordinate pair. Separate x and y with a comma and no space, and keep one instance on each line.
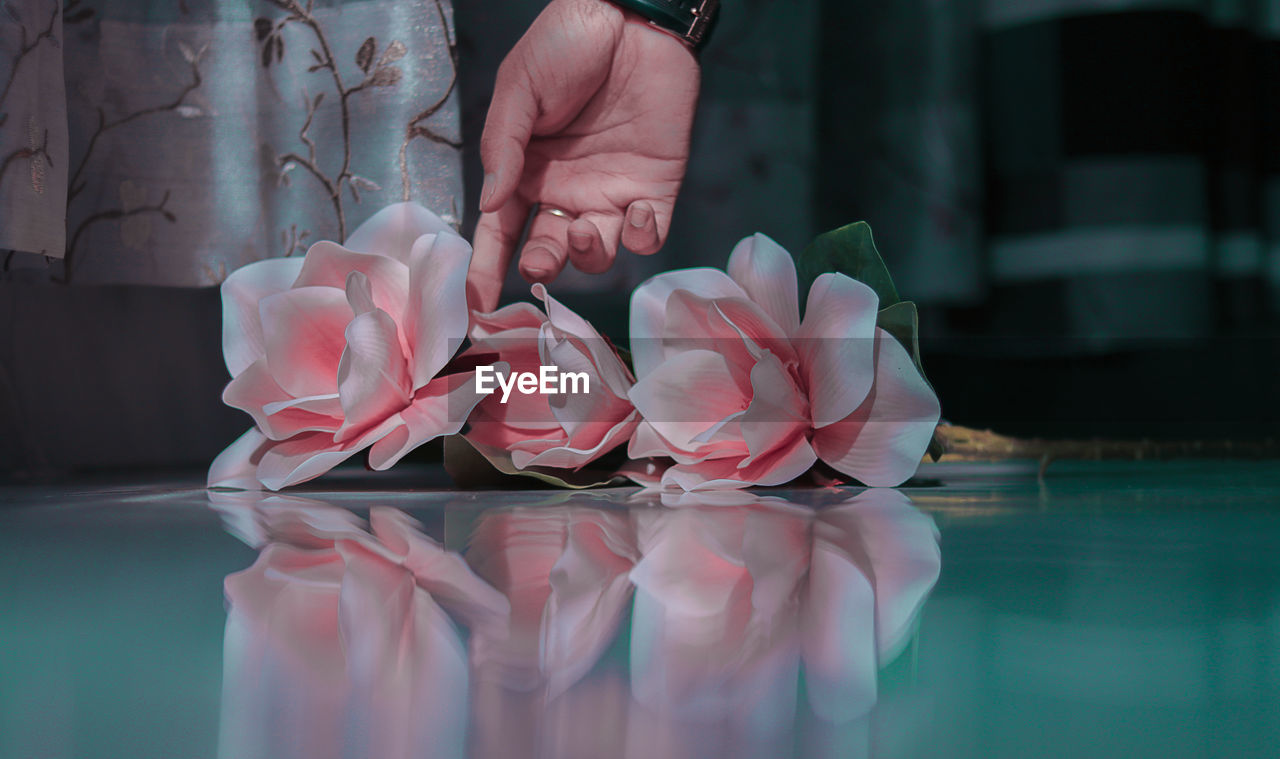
(490,234)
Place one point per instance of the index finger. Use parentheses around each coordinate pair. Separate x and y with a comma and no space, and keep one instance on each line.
(497,235)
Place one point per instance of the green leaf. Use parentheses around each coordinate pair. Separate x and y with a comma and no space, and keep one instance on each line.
(472,465)
(903,322)
(849,250)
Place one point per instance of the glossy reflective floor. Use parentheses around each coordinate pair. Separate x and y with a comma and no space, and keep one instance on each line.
(1106,610)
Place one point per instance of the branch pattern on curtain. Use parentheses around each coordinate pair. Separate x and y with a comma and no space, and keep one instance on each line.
(203,135)
(33,132)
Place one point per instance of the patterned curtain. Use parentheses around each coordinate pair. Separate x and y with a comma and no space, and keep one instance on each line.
(33,128)
(172,141)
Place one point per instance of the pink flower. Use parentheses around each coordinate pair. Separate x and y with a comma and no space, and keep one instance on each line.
(739,391)
(345,642)
(564,430)
(563,569)
(731,600)
(339,351)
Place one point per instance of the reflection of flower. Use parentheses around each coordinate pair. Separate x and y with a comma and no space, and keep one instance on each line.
(738,390)
(258,519)
(337,644)
(872,563)
(351,631)
(563,431)
(729,601)
(339,351)
(713,631)
(564,570)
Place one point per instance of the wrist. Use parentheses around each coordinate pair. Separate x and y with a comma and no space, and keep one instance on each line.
(597,10)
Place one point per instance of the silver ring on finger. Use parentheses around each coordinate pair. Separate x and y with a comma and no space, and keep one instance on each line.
(554,211)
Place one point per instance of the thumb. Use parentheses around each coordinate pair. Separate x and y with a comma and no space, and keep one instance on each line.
(507,129)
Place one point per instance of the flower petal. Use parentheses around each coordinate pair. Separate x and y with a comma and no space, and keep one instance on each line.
(754,327)
(393,231)
(359,292)
(896,546)
(785,461)
(716,474)
(394,638)
(767,272)
(649,309)
(734,327)
(881,443)
(328,264)
(838,636)
(517,346)
(646,443)
(579,452)
(835,346)
(603,355)
(687,394)
(306,523)
(439,408)
(647,473)
(304,334)
(590,591)
(276,413)
(514,316)
(595,406)
(282,644)
(443,574)
(243,289)
(236,466)
(782,464)
(373,380)
(778,411)
(700,647)
(311,454)
(438,316)
(523,417)
(327,405)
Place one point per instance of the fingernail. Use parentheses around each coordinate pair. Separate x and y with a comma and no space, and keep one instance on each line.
(580,241)
(536,264)
(639,216)
(486,191)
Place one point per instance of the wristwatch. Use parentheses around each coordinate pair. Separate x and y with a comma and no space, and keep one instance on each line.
(687,20)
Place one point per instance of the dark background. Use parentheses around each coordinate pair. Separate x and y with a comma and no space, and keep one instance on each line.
(974,143)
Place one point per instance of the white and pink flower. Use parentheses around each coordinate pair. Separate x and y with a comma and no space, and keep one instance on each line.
(735,388)
(734,597)
(342,641)
(562,431)
(342,350)
(563,569)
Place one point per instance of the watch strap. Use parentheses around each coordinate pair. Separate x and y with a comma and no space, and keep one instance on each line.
(689,20)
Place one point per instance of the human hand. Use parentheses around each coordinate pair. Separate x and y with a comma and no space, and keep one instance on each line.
(591,116)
